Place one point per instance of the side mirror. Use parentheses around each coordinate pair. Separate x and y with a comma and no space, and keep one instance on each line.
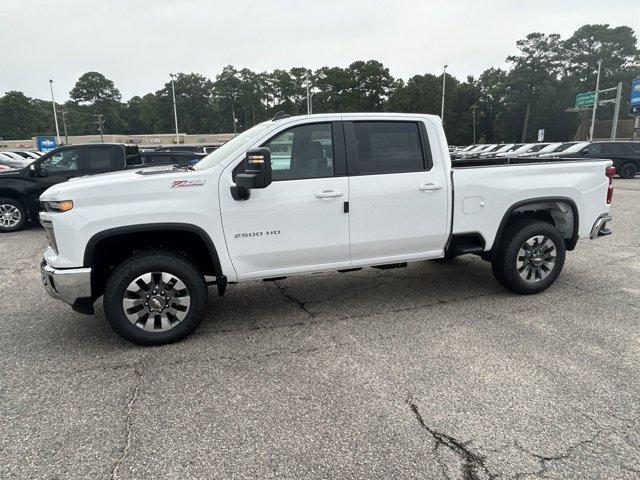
(584,150)
(257,173)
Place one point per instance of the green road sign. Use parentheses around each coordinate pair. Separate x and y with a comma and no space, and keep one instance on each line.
(585,99)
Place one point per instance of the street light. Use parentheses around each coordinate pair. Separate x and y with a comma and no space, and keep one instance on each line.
(175,112)
(444,79)
(55,114)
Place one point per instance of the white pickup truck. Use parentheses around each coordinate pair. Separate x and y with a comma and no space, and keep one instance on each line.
(308,194)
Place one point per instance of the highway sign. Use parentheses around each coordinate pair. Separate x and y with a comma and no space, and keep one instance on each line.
(634,103)
(585,99)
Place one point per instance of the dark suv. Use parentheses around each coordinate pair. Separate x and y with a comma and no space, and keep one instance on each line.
(625,155)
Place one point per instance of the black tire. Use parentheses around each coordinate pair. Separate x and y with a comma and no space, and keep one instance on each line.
(541,264)
(628,170)
(10,205)
(142,264)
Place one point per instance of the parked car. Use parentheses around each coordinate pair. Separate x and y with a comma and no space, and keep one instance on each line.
(171,158)
(387,194)
(527,148)
(20,188)
(625,155)
(505,148)
(551,148)
(11,162)
(27,154)
(474,152)
(569,151)
(200,148)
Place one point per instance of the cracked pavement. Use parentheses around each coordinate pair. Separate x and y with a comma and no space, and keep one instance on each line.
(432,371)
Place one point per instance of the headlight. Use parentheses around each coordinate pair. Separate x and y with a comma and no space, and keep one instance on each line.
(58,206)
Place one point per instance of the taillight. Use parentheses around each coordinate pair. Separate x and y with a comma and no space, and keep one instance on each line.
(610,172)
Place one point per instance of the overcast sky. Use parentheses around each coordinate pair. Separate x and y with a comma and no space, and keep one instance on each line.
(136,43)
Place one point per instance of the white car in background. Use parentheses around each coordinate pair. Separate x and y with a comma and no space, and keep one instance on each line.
(26,154)
(527,148)
(569,147)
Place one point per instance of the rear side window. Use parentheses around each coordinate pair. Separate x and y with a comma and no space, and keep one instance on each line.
(388,147)
(610,147)
(98,159)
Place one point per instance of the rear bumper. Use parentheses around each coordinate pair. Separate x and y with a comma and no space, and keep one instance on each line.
(70,285)
(599,228)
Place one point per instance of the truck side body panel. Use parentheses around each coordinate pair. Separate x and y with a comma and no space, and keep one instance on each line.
(483,195)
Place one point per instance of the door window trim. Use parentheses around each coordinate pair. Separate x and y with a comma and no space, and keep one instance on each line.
(353,168)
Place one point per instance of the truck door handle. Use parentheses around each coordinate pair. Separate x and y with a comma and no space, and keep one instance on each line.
(328,194)
(429,187)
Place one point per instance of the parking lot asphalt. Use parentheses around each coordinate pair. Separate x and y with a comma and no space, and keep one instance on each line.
(432,371)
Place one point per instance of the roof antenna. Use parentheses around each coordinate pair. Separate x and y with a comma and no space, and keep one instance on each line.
(280,115)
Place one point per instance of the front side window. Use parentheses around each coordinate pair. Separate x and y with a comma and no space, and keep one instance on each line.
(302,152)
(388,147)
(62,161)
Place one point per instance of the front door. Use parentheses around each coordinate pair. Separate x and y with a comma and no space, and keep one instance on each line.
(298,223)
(54,168)
(398,198)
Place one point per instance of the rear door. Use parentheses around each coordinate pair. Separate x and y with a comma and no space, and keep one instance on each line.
(397,199)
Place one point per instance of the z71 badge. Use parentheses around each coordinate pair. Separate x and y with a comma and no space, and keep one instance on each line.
(187,183)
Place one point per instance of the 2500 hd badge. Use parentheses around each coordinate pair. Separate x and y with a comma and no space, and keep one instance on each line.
(256,234)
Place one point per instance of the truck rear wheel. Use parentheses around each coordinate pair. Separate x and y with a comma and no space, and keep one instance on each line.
(155,298)
(530,257)
(12,215)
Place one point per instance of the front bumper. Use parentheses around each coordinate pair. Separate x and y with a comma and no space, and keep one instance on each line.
(599,228)
(71,285)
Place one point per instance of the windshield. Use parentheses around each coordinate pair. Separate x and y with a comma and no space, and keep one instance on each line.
(523,148)
(506,148)
(550,148)
(576,147)
(14,162)
(232,145)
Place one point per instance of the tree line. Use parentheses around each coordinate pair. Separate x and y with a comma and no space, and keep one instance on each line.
(541,81)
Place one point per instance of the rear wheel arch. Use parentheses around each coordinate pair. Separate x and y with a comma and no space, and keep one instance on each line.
(561,212)
(108,249)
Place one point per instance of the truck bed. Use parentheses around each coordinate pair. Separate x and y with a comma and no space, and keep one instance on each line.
(484,190)
(489,162)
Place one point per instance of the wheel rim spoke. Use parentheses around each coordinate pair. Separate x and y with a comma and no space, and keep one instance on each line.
(535,259)
(10,215)
(156,301)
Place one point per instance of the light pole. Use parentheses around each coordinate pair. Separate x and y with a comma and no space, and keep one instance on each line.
(175,111)
(55,114)
(595,101)
(444,79)
(473,112)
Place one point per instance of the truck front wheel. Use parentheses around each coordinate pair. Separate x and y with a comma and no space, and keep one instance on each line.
(530,257)
(154,298)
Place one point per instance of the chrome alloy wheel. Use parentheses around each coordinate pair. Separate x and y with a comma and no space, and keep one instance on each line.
(536,259)
(10,215)
(156,301)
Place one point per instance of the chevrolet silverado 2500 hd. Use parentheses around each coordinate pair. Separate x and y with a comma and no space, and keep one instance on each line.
(307,194)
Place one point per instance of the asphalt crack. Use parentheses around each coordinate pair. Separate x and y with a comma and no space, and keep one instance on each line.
(138,371)
(473,464)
